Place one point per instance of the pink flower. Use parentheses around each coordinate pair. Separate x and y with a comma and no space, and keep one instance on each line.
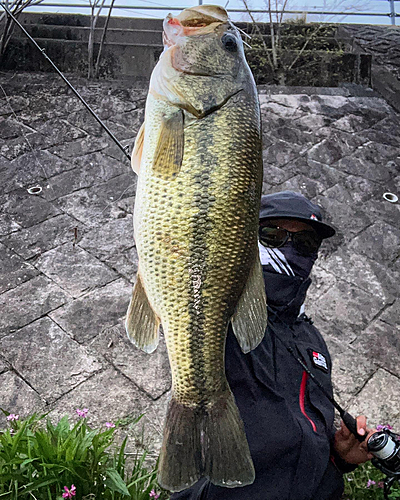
(370,483)
(69,493)
(82,413)
(381,484)
(11,417)
(110,425)
(384,427)
(154,495)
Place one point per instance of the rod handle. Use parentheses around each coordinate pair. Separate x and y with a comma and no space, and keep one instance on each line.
(351,423)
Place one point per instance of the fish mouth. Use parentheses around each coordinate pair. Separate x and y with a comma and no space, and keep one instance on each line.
(211,109)
(198,20)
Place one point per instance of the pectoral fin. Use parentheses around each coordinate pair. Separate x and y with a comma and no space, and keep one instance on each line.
(142,323)
(168,155)
(136,157)
(250,319)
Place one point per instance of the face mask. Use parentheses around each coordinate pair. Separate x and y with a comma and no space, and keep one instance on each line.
(287,260)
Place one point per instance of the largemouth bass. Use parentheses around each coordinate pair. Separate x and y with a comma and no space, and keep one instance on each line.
(199,165)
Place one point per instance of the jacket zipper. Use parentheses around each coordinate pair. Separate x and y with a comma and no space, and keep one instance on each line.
(302,395)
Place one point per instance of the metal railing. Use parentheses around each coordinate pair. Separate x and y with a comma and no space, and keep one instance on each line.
(155,7)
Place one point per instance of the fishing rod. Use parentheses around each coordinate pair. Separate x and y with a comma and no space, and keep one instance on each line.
(43,52)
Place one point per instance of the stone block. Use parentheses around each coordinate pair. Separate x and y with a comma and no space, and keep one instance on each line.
(44,348)
(29,301)
(87,316)
(348,307)
(17,397)
(327,176)
(13,270)
(10,129)
(37,239)
(380,242)
(80,147)
(74,269)
(302,184)
(32,169)
(379,400)
(109,239)
(380,343)
(362,161)
(125,263)
(150,372)
(58,131)
(108,395)
(27,209)
(280,154)
(371,276)
(347,218)
(334,147)
(94,205)
(391,315)
(4,367)
(350,371)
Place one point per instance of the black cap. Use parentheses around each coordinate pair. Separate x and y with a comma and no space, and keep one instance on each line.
(291,205)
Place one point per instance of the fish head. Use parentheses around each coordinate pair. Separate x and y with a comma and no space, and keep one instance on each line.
(204,42)
(203,62)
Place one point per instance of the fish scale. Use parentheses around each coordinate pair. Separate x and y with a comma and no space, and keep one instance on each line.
(195,224)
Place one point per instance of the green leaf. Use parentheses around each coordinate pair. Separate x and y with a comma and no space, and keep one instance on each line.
(115,482)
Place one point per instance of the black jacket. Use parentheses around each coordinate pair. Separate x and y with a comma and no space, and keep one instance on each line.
(288,420)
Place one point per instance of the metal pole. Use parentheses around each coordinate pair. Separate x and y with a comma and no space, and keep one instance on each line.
(392,13)
(121,147)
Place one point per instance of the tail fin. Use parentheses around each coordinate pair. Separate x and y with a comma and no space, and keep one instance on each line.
(205,441)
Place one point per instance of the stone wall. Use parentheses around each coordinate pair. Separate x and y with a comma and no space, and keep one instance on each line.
(69,257)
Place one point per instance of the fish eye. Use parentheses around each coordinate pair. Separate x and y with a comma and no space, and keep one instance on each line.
(229,42)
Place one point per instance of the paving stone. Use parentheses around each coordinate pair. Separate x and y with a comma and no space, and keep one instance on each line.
(74,269)
(379,208)
(32,169)
(132,120)
(90,314)
(109,396)
(349,370)
(349,307)
(391,314)
(379,400)
(94,205)
(150,372)
(13,270)
(352,123)
(325,174)
(353,190)
(7,224)
(29,301)
(65,363)
(17,397)
(37,239)
(85,121)
(26,209)
(380,242)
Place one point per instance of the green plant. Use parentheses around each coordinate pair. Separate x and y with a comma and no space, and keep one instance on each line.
(43,461)
(366,483)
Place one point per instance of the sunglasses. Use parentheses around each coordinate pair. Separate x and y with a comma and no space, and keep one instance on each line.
(306,242)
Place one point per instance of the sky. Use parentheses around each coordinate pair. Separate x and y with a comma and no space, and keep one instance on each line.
(124,8)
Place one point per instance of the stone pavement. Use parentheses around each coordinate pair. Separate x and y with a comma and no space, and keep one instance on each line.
(69,257)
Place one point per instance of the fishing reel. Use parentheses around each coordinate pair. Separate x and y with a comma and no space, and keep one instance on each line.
(385,446)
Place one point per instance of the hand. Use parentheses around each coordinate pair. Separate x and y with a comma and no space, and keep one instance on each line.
(347,445)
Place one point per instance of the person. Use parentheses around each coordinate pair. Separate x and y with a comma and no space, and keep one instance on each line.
(289,422)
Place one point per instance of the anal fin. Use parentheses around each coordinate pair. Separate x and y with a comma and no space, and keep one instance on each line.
(142,323)
(250,318)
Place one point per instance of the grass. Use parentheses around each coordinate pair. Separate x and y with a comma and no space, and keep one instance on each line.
(39,459)
(366,483)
